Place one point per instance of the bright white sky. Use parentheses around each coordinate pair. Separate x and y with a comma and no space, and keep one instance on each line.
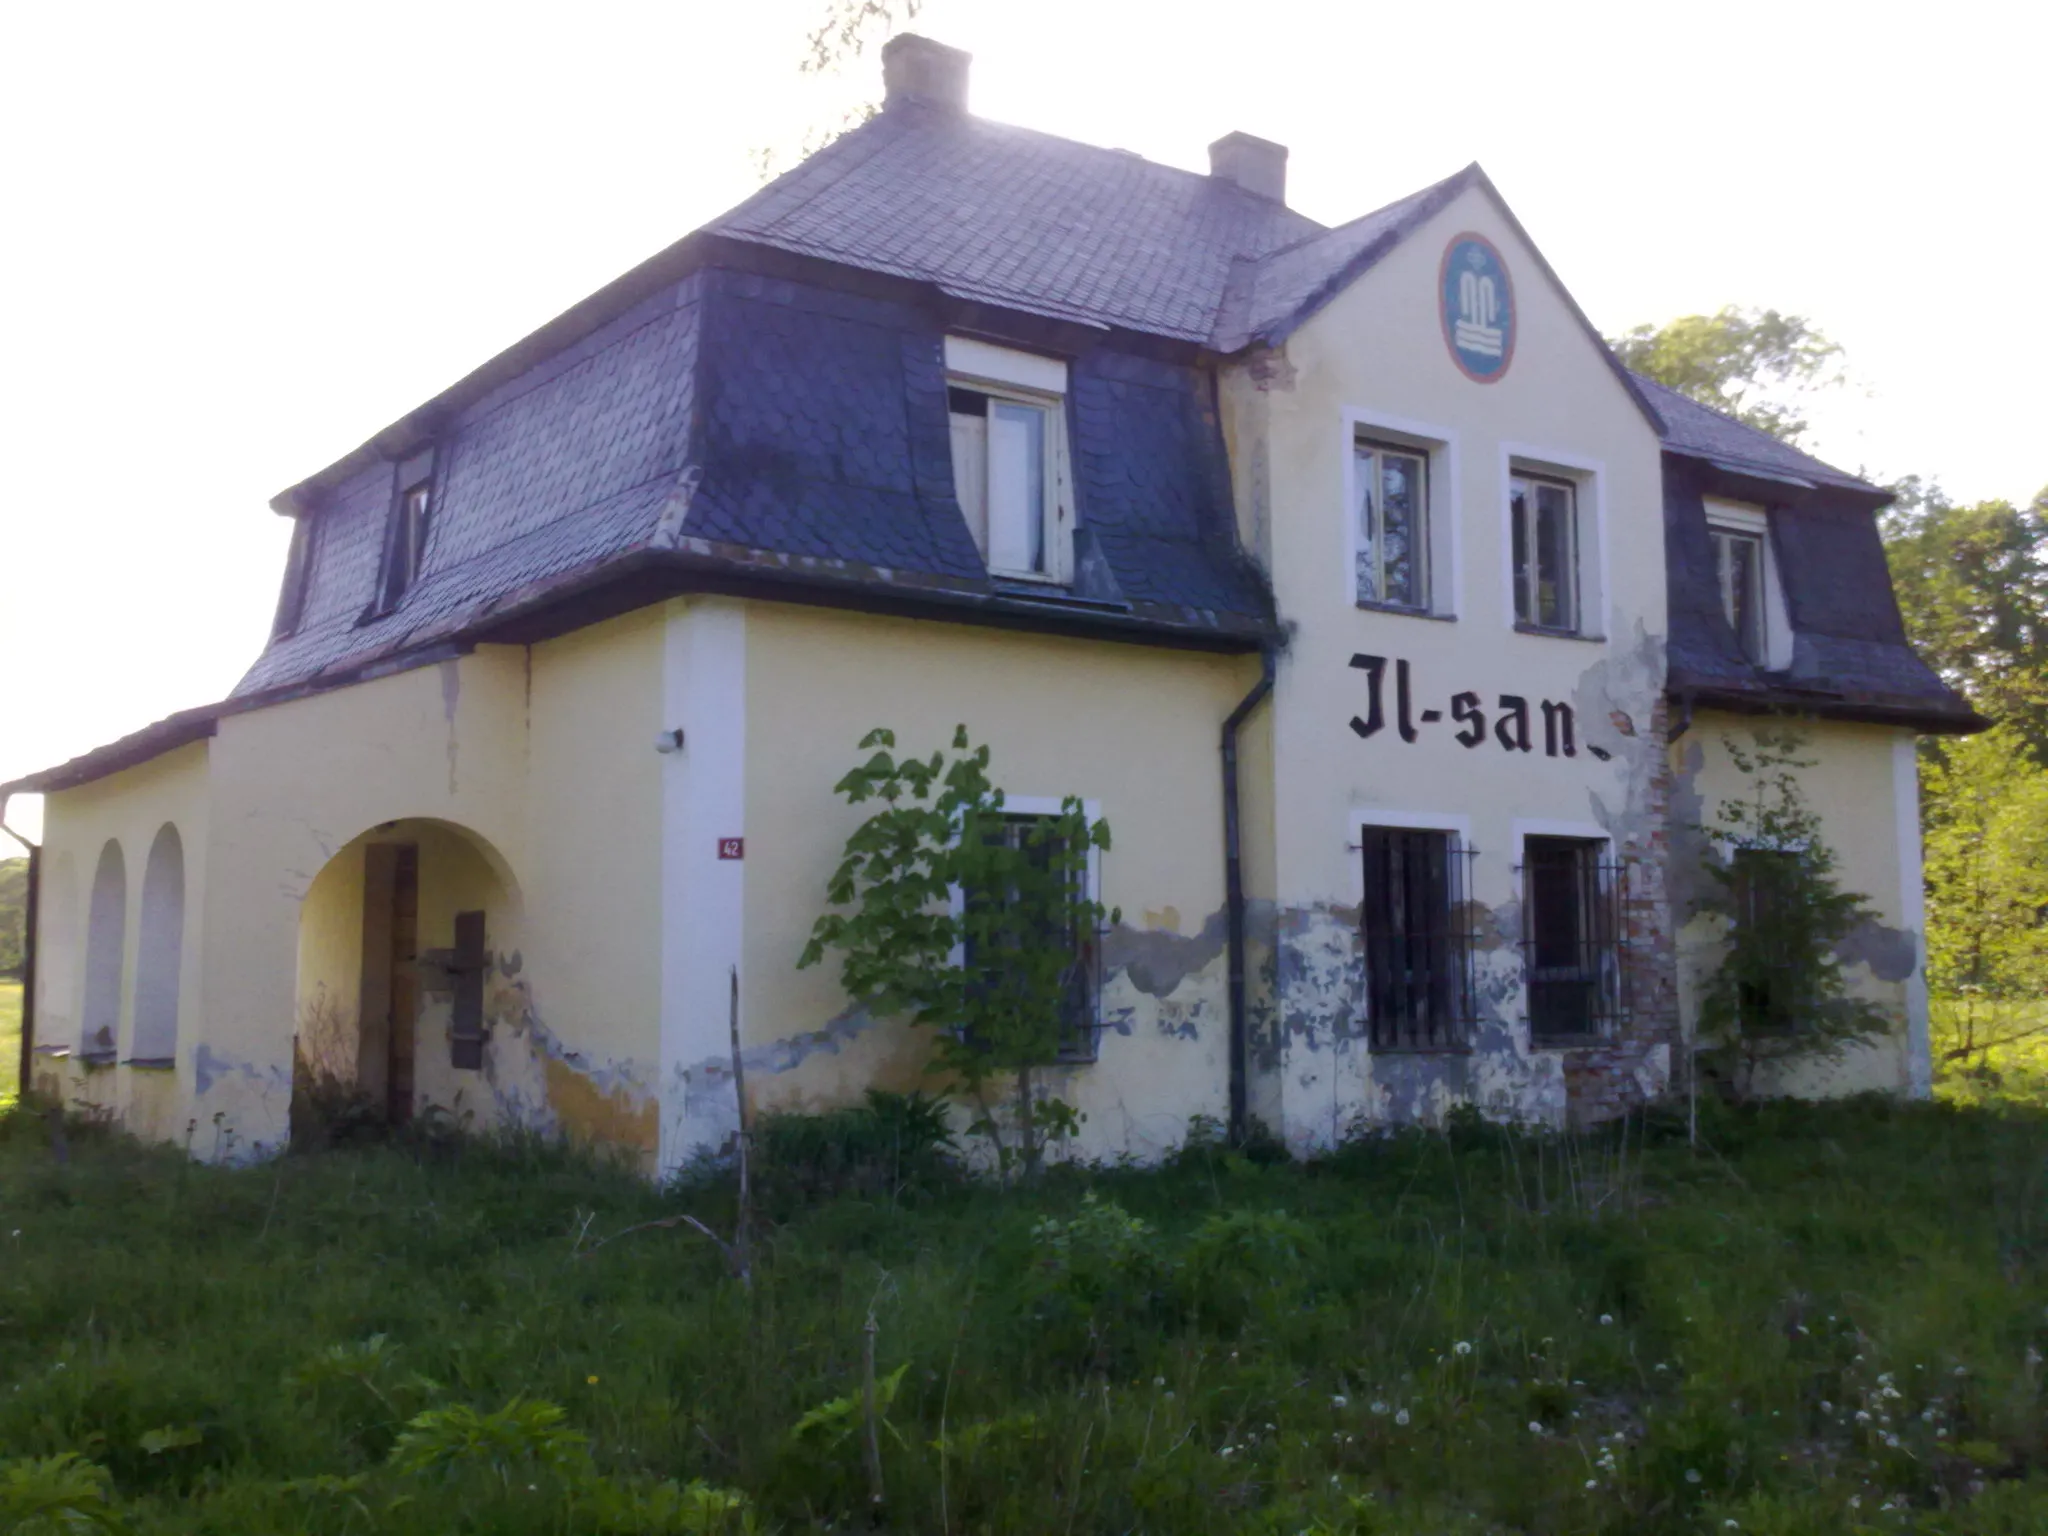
(243,237)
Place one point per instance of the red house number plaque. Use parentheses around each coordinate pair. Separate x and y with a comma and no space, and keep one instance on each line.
(732,847)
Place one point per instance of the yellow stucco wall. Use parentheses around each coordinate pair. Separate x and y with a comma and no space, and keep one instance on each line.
(129,808)
(1374,363)
(1131,729)
(1861,780)
(514,770)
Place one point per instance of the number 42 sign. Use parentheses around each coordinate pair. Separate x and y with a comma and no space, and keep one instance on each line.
(732,847)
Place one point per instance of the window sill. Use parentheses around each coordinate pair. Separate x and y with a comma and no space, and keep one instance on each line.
(1400,610)
(1547,633)
(98,1058)
(1420,1050)
(152,1063)
(1568,1042)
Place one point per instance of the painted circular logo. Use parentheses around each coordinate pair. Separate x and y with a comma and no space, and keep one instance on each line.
(1477,303)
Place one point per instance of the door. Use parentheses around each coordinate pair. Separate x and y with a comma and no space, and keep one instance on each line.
(390,985)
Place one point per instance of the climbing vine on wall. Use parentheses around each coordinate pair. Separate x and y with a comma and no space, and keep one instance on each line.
(972,921)
(1778,993)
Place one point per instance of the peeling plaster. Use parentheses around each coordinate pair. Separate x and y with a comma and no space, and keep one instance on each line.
(1892,954)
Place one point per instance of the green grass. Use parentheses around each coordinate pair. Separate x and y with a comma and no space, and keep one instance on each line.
(10,1039)
(1428,1334)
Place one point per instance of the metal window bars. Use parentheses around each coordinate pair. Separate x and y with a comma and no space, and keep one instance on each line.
(1415,923)
(1574,940)
(1080,1024)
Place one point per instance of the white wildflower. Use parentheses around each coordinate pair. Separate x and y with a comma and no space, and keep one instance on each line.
(1692,1476)
(1461,1348)
(1401,1417)
(1339,1400)
(1379,1408)
(1606,1319)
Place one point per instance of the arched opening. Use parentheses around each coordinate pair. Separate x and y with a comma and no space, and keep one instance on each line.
(106,940)
(399,936)
(159,949)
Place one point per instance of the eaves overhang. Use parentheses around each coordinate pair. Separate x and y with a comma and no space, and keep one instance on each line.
(646,576)
(1925,717)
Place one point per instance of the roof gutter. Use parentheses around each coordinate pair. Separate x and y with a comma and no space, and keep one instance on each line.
(1234,898)
(28,951)
(1932,722)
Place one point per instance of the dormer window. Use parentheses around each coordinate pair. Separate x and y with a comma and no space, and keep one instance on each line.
(298,575)
(412,513)
(1746,576)
(1007,410)
(1739,569)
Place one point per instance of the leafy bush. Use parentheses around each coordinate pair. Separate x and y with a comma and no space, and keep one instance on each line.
(892,1145)
(1236,1260)
(55,1496)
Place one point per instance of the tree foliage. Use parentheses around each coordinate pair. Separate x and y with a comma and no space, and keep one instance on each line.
(13,913)
(1987,879)
(846,30)
(1755,364)
(1779,992)
(964,920)
(1972,583)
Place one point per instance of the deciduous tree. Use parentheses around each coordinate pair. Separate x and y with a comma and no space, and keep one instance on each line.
(1755,364)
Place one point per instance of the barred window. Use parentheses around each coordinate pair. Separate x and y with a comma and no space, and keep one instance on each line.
(1572,935)
(1417,938)
(1081,1009)
(1767,1003)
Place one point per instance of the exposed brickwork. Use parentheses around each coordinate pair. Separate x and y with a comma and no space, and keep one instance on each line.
(1619,1075)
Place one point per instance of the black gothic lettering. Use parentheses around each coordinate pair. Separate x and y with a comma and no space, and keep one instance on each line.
(1466,711)
(1514,713)
(1375,720)
(1403,715)
(1557,729)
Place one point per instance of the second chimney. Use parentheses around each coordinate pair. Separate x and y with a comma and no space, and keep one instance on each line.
(1258,165)
(917,69)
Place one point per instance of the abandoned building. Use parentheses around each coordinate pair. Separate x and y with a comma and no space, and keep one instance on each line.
(1112,462)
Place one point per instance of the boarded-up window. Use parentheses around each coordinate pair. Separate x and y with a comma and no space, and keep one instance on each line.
(106,942)
(1418,949)
(159,949)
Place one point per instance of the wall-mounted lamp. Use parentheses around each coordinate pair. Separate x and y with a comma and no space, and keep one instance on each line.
(669,741)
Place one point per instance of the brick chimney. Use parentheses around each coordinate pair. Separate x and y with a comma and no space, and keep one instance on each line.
(1257,165)
(917,69)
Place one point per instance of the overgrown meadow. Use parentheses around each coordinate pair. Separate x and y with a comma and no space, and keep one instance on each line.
(1821,1320)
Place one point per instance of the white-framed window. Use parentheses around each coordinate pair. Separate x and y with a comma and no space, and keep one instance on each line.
(1399,516)
(1010,464)
(1081,1017)
(1543,536)
(1746,577)
(412,512)
(1390,525)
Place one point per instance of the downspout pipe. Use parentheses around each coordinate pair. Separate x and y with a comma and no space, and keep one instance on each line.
(28,951)
(1234,899)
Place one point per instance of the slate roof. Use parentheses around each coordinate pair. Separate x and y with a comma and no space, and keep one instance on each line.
(710,419)
(1009,215)
(1703,432)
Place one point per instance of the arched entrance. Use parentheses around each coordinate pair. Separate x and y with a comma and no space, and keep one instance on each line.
(398,936)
